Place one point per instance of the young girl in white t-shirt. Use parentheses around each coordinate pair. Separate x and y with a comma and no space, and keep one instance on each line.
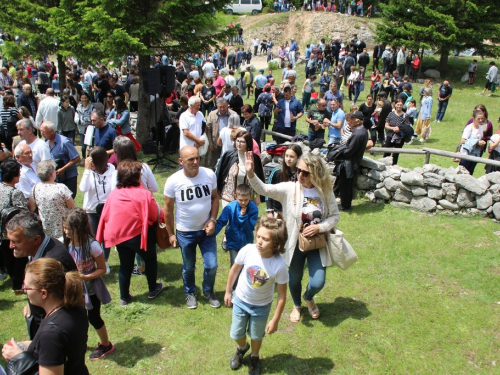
(259,267)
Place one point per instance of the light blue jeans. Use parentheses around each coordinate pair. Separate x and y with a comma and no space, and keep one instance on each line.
(188,241)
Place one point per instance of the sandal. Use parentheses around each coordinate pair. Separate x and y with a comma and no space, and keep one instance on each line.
(312,307)
(295,315)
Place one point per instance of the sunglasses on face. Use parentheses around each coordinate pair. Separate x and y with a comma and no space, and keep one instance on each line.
(304,173)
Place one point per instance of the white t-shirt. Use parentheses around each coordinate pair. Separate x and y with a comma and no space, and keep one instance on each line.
(148,180)
(288,123)
(193,124)
(208,68)
(40,150)
(227,143)
(193,198)
(230,80)
(312,207)
(308,86)
(471,132)
(257,278)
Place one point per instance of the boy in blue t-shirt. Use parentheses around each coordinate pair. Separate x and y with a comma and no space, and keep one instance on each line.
(240,216)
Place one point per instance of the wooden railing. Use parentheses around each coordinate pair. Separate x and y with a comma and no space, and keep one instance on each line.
(427,152)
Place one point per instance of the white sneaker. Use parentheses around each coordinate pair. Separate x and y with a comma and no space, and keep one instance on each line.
(410,142)
(107,269)
(421,140)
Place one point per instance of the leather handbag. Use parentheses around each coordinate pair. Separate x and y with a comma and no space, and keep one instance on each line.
(161,232)
(22,364)
(340,251)
(315,242)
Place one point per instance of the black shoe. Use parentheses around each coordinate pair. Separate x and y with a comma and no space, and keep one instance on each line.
(101,351)
(212,299)
(342,209)
(237,358)
(154,293)
(254,368)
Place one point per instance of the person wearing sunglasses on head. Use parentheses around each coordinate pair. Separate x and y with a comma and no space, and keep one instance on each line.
(308,206)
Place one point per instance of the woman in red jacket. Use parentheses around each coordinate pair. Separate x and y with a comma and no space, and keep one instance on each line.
(127,221)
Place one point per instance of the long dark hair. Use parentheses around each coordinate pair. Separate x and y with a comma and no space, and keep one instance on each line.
(286,172)
(120,104)
(78,222)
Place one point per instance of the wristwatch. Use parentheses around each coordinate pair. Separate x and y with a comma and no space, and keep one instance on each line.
(214,220)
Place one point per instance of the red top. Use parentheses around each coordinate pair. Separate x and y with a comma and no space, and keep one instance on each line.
(127,213)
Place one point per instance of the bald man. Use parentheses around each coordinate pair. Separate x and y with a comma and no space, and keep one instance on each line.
(193,190)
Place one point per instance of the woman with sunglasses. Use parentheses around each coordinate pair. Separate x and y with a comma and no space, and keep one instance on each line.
(60,343)
(308,206)
(108,103)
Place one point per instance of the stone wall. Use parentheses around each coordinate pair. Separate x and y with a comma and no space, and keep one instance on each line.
(430,188)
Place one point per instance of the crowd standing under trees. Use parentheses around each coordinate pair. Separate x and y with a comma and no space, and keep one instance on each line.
(98,102)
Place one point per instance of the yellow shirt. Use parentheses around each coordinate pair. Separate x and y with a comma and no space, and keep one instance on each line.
(247,77)
(12,72)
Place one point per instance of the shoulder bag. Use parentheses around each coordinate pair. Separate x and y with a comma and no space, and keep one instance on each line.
(161,232)
(341,251)
(315,242)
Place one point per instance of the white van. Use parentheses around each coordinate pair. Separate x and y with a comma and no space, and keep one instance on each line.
(244,6)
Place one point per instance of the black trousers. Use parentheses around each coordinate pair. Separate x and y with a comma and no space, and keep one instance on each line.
(345,189)
(389,143)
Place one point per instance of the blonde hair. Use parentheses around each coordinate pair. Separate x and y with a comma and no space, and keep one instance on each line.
(277,230)
(320,175)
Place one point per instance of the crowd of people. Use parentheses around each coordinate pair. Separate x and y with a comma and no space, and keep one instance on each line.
(57,253)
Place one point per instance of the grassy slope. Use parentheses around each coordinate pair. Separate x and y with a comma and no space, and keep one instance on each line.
(423,298)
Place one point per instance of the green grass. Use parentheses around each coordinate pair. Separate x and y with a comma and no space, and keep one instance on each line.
(423,298)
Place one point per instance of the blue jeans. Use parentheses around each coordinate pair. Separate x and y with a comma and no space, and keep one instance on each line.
(311,136)
(356,91)
(317,274)
(441,110)
(208,247)
(325,66)
(249,318)
(332,140)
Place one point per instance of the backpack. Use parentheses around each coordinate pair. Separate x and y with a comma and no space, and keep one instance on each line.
(11,125)
(7,213)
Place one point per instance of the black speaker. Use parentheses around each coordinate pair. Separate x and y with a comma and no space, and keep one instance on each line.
(151,83)
(167,78)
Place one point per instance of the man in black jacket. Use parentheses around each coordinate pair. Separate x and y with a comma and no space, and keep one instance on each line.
(355,148)
(364,59)
(386,109)
(27,239)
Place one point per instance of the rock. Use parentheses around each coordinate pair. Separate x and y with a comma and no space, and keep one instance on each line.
(450,176)
(382,193)
(432,73)
(265,158)
(412,179)
(484,201)
(370,195)
(495,192)
(467,182)
(462,170)
(372,164)
(364,171)
(450,190)
(418,191)
(433,168)
(380,185)
(434,193)
(439,207)
(433,179)
(419,170)
(393,173)
(465,199)
(484,181)
(490,210)
(423,204)
(496,210)
(493,177)
(391,184)
(365,183)
(402,196)
(376,175)
(243,68)
(448,205)
(400,205)
(386,161)
(316,152)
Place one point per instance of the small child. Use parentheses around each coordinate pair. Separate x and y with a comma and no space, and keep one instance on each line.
(89,259)
(411,111)
(241,214)
(259,267)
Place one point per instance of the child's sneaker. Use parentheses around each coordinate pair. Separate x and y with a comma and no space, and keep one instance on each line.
(254,368)
(237,358)
(101,351)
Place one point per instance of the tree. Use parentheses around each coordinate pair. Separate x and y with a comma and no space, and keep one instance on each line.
(145,27)
(444,25)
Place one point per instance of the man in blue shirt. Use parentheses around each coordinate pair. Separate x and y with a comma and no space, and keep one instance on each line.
(104,135)
(293,49)
(260,82)
(331,94)
(287,111)
(336,123)
(308,55)
(64,154)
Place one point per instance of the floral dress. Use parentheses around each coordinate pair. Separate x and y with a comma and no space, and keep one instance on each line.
(51,200)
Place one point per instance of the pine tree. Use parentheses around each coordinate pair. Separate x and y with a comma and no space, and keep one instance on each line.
(443,25)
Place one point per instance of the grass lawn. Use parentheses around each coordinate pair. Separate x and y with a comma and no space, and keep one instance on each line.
(423,298)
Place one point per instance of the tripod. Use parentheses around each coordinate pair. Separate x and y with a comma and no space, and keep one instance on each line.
(161,162)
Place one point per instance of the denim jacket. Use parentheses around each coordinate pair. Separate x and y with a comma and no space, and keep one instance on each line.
(122,121)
